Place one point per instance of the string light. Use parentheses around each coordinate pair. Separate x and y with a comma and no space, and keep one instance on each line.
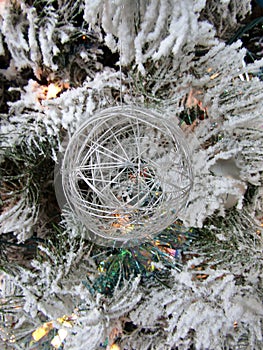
(43,330)
(52,91)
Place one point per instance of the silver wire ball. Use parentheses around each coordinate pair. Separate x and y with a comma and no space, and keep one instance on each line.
(126,174)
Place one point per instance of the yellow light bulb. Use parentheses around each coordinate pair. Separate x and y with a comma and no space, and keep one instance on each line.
(115,347)
(41,331)
(52,91)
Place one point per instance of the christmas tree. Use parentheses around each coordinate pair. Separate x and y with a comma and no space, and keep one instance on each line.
(196,284)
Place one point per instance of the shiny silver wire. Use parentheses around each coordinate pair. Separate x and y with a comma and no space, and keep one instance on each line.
(126,174)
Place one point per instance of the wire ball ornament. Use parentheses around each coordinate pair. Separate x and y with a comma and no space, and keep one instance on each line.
(126,174)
